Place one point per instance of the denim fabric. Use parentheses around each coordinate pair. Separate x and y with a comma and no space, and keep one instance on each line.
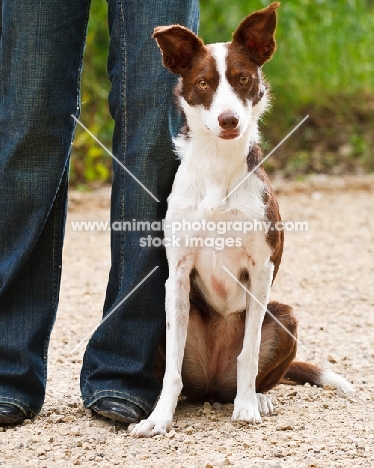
(41,48)
(120,356)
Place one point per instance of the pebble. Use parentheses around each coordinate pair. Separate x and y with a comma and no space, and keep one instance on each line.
(284,427)
(328,387)
(56,418)
(331,359)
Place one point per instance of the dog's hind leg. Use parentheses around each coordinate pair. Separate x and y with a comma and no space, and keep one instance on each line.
(278,349)
(278,345)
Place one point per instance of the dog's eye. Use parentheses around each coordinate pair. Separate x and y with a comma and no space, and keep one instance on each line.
(202,84)
(244,80)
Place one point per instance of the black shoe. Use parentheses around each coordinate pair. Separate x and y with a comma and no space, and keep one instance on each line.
(10,414)
(118,410)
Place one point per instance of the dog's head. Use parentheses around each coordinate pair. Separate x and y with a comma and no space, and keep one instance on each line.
(221,86)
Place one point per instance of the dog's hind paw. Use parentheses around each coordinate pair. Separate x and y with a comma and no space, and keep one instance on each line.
(265,406)
(149,428)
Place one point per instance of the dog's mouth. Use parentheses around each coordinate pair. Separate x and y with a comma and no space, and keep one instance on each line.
(229,134)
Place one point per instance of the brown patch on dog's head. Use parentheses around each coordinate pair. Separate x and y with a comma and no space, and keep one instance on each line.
(185,54)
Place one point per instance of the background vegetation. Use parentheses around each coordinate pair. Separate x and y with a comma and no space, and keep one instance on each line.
(323,67)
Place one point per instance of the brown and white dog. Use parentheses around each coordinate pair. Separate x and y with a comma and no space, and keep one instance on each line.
(220,342)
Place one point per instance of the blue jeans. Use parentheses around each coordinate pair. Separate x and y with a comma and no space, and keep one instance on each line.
(41,50)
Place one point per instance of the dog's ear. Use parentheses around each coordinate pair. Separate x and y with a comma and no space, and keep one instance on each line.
(178,45)
(256,34)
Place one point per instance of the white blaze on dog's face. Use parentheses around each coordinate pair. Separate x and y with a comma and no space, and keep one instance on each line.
(221,88)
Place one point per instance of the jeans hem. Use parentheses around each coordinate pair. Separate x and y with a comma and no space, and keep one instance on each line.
(88,402)
(28,412)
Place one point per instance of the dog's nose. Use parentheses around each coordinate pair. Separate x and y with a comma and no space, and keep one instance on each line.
(228,121)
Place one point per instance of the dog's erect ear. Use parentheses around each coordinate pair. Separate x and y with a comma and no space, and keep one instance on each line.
(178,45)
(256,34)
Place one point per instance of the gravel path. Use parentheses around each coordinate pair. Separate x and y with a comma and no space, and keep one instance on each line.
(327,275)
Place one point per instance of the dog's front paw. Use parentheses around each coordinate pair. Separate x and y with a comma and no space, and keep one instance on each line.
(265,406)
(150,427)
(246,412)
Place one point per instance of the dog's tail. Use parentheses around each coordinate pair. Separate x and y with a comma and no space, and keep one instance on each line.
(300,373)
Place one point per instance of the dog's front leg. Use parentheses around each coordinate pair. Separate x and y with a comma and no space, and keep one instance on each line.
(246,404)
(177,313)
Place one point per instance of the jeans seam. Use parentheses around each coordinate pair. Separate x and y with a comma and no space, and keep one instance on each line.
(56,275)
(80,68)
(123,145)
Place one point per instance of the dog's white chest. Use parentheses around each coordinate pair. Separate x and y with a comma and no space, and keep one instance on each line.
(216,233)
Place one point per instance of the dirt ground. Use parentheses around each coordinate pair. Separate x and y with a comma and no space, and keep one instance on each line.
(327,275)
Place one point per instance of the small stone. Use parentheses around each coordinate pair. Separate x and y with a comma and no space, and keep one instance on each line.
(284,427)
(56,418)
(189,441)
(75,431)
(328,387)
(217,406)
(331,359)
(68,419)
(207,408)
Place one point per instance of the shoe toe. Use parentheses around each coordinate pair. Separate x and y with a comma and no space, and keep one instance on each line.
(10,414)
(118,410)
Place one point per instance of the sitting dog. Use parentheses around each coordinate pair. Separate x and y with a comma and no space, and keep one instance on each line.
(220,342)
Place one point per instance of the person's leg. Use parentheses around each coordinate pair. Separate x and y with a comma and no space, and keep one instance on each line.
(41,48)
(120,356)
